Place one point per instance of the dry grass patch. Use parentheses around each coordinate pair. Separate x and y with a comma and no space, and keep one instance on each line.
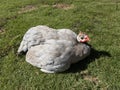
(88,77)
(63,6)
(45,5)
(2,31)
(27,8)
(95,80)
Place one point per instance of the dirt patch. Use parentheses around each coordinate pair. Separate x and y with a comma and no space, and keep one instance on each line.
(2,31)
(3,22)
(45,5)
(88,77)
(63,6)
(95,80)
(27,8)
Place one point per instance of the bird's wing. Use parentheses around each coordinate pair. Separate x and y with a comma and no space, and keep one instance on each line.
(34,36)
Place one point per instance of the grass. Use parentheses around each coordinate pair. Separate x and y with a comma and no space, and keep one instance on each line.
(98,18)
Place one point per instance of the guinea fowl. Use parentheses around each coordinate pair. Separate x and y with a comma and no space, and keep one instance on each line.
(54,50)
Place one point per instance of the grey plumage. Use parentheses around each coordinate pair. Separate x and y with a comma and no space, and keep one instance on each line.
(39,34)
(52,50)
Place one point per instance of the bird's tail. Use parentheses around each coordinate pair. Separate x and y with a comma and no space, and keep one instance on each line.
(22,48)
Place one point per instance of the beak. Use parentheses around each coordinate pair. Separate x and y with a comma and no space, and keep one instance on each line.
(87,38)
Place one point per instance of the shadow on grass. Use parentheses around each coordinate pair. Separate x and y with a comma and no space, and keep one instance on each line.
(82,65)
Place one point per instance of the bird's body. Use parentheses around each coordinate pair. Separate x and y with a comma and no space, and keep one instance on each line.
(56,55)
(39,34)
(52,50)
(53,56)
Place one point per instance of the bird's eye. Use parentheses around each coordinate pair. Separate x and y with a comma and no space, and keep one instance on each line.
(82,37)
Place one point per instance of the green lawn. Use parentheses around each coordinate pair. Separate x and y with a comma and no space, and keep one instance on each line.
(100,19)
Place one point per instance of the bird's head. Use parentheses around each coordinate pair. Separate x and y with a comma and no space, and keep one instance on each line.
(82,38)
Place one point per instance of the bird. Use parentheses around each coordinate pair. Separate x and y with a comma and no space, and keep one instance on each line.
(54,50)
